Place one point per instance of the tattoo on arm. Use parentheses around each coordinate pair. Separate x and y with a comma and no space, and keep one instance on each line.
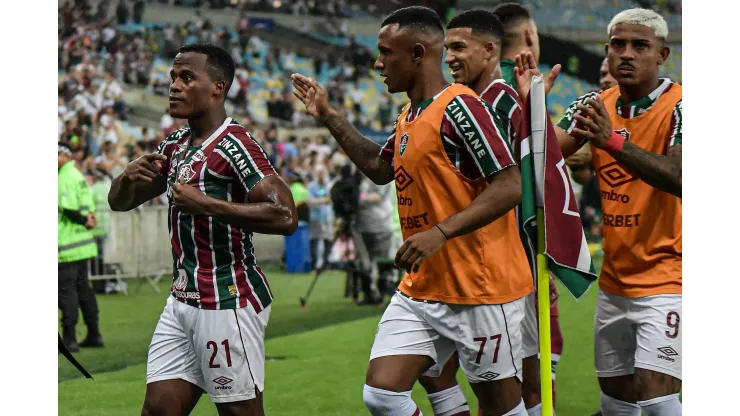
(363,152)
(661,172)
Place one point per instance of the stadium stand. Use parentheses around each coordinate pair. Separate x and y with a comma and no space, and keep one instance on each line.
(114,61)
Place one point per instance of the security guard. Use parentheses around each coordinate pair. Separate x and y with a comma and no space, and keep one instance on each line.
(76,248)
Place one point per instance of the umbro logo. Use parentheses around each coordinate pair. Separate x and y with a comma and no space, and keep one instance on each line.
(489,375)
(615,175)
(403,179)
(667,353)
(222,383)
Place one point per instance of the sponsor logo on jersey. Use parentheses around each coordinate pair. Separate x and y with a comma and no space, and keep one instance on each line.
(186,294)
(404,142)
(667,353)
(621,220)
(199,156)
(615,174)
(222,383)
(403,179)
(613,196)
(414,221)
(232,290)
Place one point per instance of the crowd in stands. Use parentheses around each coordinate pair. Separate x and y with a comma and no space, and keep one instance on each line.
(107,50)
(330,8)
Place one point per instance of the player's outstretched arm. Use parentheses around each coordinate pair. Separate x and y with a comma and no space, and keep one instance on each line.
(139,182)
(663,172)
(363,152)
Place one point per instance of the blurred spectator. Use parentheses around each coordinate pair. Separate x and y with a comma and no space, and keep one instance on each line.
(321,226)
(300,195)
(122,12)
(590,202)
(375,224)
(110,161)
(139,6)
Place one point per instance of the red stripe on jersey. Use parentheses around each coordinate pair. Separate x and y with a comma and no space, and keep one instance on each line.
(417,412)
(245,291)
(205,271)
(259,270)
(203,252)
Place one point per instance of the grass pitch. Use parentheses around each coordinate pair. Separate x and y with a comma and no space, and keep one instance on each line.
(316,357)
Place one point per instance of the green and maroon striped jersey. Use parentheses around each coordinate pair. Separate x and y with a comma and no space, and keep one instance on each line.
(213,265)
(504,100)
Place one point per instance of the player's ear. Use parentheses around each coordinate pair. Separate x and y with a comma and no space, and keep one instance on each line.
(663,53)
(219,88)
(418,52)
(529,37)
(490,47)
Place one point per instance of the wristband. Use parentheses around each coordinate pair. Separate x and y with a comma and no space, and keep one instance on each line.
(443,233)
(615,142)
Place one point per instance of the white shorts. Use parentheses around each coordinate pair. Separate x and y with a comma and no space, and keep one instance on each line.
(220,351)
(530,330)
(637,332)
(487,337)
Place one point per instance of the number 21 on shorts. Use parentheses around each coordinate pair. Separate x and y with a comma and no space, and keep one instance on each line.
(211,345)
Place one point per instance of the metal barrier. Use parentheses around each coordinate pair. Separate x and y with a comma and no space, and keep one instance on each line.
(137,246)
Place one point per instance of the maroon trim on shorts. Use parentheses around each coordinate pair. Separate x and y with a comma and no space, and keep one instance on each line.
(246,357)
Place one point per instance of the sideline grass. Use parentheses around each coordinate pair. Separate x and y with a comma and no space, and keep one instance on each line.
(322,353)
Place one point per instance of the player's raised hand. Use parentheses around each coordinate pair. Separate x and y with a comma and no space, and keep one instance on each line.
(596,121)
(526,69)
(312,96)
(188,199)
(145,169)
(418,248)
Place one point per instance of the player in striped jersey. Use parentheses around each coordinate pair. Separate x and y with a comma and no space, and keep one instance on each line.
(634,130)
(221,188)
(473,41)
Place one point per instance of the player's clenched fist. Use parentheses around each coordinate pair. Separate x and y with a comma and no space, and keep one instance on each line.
(188,199)
(312,96)
(145,169)
(418,248)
